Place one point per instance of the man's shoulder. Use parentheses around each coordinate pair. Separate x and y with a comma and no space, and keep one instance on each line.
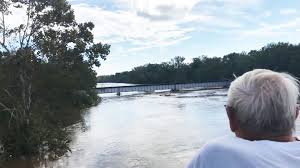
(220,144)
(237,152)
(217,152)
(235,146)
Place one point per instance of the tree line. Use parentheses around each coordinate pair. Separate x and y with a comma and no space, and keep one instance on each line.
(46,77)
(284,57)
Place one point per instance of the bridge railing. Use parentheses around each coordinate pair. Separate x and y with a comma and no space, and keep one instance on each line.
(152,88)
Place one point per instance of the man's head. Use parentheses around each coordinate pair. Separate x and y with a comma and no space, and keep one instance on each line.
(264,103)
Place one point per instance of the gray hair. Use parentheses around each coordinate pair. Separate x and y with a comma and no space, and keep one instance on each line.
(265,101)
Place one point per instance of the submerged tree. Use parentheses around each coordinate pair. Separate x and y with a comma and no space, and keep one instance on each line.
(46,67)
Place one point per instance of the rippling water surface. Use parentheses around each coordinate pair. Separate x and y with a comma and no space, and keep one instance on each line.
(148,131)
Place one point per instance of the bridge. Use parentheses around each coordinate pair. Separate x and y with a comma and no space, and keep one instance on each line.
(163,87)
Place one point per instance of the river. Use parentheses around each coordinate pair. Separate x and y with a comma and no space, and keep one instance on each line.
(147,130)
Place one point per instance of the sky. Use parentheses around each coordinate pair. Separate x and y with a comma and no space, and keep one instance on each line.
(154,31)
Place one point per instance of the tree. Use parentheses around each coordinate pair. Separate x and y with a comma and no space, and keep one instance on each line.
(274,56)
(46,66)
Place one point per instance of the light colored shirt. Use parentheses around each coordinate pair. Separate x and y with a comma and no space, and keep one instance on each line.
(233,152)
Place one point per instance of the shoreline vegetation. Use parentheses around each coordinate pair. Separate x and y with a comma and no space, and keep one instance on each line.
(47,78)
(282,57)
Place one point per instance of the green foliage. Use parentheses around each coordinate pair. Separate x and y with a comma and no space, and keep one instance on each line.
(276,56)
(46,77)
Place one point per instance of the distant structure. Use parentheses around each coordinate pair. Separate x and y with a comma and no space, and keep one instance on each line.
(169,87)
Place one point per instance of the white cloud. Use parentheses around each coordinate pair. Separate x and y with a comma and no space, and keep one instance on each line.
(18,17)
(244,3)
(144,24)
(160,9)
(273,30)
(288,11)
(231,6)
(126,27)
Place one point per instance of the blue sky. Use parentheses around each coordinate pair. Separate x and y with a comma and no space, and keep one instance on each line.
(153,31)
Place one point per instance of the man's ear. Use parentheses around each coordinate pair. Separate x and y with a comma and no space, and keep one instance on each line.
(233,122)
